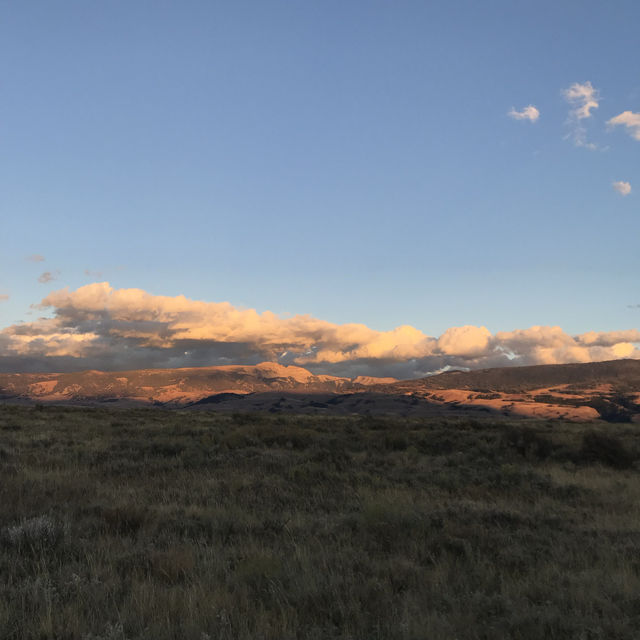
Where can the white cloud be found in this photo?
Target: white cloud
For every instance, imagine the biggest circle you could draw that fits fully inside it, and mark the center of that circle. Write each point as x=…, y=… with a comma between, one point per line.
x=466, y=342
x=623, y=188
x=628, y=119
x=608, y=338
x=36, y=257
x=97, y=326
x=3, y=296
x=583, y=98
x=528, y=113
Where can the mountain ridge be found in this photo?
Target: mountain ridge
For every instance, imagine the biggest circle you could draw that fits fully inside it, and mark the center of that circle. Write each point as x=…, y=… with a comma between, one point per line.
x=172, y=387
x=527, y=377
x=579, y=391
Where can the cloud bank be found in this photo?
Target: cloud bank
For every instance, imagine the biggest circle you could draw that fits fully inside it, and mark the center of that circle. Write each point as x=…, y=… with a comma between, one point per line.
x=528, y=113
x=97, y=326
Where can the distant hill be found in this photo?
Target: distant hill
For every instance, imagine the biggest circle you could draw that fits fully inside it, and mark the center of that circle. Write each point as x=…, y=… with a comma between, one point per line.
x=580, y=392
x=624, y=374
x=172, y=387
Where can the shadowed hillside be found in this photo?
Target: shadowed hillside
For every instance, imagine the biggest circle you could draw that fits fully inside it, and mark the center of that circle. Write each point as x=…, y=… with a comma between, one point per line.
x=623, y=374
x=584, y=391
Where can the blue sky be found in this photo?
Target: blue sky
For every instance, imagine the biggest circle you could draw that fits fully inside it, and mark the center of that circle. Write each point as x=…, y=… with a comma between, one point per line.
x=354, y=161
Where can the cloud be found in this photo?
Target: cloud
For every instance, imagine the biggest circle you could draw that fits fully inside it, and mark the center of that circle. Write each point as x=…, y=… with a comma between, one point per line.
x=528, y=113
x=609, y=338
x=465, y=342
x=628, y=119
x=97, y=326
x=3, y=296
x=583, y=98
x=48, y=276
x=623, y=188
x=36, y=257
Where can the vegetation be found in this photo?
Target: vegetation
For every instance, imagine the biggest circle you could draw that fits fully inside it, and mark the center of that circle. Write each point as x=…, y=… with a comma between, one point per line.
x=151, y=524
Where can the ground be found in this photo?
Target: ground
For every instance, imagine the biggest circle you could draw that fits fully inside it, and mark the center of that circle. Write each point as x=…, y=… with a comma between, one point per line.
x=157, y=524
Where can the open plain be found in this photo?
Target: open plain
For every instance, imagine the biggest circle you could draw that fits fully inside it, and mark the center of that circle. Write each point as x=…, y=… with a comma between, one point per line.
x=160, y=524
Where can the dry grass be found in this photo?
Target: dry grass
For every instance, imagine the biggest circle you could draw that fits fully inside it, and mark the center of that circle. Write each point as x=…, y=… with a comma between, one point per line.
x=148, y=524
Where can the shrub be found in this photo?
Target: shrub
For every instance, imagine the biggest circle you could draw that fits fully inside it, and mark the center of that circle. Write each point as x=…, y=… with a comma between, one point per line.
x=41, y=532
x=124, y=519
x=606, y=449
x=111, y=632
x=172, y=565
x=259, y=572
x=240, y=417
x=528, y=443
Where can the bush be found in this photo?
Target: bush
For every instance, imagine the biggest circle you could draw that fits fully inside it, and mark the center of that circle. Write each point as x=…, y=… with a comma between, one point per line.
x=124, y=520
x=41, y=532
x=528, y=443
x=606, y=449
x=172, y=565
x=111, y=632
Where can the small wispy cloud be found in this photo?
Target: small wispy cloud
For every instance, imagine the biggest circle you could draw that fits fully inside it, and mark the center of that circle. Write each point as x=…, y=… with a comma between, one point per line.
x=528, y=113
x=48, y=276
x=92, y=274
x=623, y=188
x=3, y=297
x=633, y=306
x=583, y=98
x=628, y=119
x=36, y=257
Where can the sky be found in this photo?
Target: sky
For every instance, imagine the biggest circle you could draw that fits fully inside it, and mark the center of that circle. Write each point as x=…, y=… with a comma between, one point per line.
x=366, y=187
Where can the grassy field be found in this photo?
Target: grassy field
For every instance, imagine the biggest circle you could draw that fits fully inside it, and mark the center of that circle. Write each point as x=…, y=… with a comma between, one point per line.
x=127, y=524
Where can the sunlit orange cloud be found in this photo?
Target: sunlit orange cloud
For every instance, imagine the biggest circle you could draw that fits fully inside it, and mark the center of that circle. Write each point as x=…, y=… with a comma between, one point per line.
x=98, y=326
